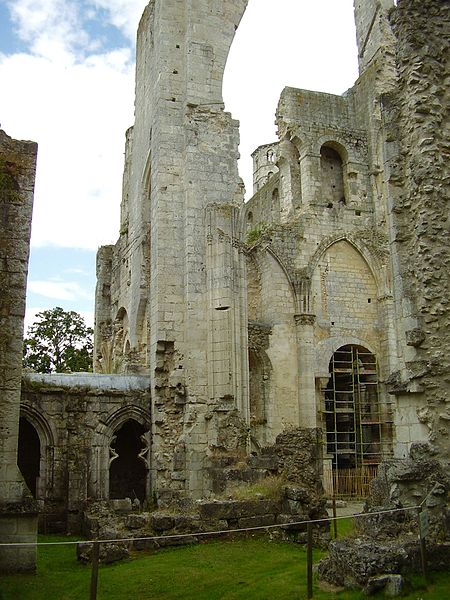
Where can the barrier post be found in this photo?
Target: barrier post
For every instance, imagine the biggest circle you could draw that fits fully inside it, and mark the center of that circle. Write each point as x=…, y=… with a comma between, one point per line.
x=94, y=573
x=334, y=517
x=309, y=559
x=423, y=532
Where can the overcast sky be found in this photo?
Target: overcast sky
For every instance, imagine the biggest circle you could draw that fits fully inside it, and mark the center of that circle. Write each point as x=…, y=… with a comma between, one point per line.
x=67, y=82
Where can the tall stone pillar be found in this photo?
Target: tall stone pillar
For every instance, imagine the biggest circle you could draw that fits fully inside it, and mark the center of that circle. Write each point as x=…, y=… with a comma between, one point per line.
x=306, y=357
x=18, y=515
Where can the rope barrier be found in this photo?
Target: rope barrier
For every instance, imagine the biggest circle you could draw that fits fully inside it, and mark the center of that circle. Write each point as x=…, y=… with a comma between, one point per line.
x=209, y=533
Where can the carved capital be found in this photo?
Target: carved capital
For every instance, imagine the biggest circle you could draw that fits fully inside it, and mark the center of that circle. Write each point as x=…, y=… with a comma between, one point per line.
x=305, y=319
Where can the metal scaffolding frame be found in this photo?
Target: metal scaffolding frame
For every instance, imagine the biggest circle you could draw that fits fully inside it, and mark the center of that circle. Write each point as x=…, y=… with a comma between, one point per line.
x=358, y=426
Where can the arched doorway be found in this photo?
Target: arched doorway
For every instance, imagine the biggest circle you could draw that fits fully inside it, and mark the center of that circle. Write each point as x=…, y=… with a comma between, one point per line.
x=29, y=454
x=128, y=470
x=353, y=419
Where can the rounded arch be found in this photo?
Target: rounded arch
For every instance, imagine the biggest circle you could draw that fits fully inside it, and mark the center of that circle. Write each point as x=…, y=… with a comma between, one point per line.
x=339, y=147
x=352, y=415
x=122, y=315
x=325, y=349
x=29, y=455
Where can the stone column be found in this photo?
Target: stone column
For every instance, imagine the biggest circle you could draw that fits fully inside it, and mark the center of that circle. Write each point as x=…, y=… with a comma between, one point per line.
x=306, y=382
x=18, y=515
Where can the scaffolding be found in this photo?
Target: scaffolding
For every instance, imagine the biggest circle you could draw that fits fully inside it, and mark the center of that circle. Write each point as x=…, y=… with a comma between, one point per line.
x=358, y=426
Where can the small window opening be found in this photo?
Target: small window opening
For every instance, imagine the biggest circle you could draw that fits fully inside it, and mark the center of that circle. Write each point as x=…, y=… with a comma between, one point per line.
x=332, y=174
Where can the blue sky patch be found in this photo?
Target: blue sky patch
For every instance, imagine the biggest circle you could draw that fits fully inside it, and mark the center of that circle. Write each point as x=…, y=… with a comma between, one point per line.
x=10, y=43
x=61, y=277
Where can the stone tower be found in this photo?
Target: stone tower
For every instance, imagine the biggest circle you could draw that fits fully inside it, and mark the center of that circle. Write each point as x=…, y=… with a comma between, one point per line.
x=169, y=301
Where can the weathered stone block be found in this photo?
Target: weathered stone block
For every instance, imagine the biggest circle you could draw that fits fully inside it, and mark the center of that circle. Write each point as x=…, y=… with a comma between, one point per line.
x=122, y=505
x=391, y=584
x=257, y=521
x=137, y=521
x=161, y=522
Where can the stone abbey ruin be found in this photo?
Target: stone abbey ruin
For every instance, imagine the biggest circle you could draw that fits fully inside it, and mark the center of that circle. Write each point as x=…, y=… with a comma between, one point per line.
x=303, y=333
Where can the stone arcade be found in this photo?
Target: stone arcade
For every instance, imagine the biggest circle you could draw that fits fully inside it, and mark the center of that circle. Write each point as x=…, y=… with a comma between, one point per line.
x=322, y=303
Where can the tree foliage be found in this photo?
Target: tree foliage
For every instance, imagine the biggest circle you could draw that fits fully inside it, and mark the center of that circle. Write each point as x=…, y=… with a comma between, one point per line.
x=58, y=342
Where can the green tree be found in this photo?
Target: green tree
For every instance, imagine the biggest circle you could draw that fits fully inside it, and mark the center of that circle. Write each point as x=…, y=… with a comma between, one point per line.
x=59, y=341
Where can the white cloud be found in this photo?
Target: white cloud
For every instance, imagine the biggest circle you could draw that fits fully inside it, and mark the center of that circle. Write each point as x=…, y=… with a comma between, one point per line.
x=77, y=105
x=53, y=28
x=30, y=316
x=58, y=290
x=124, y=14
x=78, y=114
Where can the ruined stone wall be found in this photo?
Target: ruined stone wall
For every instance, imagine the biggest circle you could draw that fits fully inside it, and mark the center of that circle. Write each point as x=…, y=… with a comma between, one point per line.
x=76, y=418
x=17, y=511
x=263, y=208
x=371, y=29
x=417, y=119
x=174, y=283
x=321, y=270
x=333, y=268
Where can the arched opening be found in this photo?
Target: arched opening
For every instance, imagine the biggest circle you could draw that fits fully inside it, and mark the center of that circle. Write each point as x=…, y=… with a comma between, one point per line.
x=332, y=173
x=353, y=419
x=128, y=471
x=29, y=455
x=256, y=390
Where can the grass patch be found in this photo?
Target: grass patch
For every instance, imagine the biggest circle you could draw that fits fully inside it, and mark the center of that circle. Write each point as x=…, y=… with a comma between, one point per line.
x=246, y=569
x=270, y=488
x=257, y=232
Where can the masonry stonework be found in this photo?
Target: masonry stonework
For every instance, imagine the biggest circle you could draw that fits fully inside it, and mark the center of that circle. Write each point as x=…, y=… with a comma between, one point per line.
x=319, y=306
x=18, y=513
x=311, y=258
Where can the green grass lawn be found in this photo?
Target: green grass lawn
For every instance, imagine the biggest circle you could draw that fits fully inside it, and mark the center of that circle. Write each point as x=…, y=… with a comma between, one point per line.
x=250, y=569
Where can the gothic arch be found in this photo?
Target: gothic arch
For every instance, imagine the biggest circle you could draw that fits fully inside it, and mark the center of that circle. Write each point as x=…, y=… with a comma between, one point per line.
x=102, y=452
x=260, y=255
x=129, y=462
x=371, y=260
x=118, y=418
